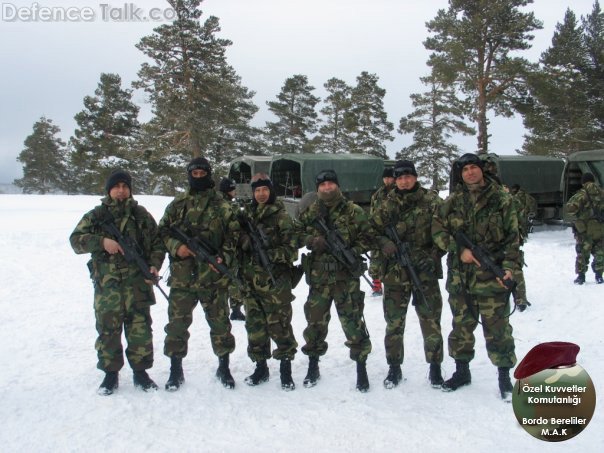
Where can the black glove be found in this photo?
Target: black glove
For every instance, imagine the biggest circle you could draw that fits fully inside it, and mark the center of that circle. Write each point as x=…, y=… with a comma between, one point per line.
x=521, y=306
x=317, y=244
x=245, y=243
x=389, y=248
x=426, y=265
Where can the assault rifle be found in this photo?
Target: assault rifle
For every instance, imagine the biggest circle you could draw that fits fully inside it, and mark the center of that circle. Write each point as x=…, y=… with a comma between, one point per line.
x=259, y=244
x=485, y=261
x=132, y=251
x=402, y=255
x=204, y=252
x=340, y=250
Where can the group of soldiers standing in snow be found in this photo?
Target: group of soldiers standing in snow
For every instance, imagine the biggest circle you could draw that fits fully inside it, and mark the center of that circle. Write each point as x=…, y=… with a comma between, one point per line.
x=402, y=213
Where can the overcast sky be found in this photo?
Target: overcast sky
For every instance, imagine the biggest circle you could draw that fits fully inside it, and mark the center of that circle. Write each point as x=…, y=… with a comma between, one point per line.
x=49, y=66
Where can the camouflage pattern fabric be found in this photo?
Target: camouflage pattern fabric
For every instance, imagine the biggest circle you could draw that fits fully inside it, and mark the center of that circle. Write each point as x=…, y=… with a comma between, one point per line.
x=268, y=308
x=380, y=195
x=526, y=205
x=180, y=314
x=121, y=296
x=395, y=303
x=489, y=219
x=589, y=233
x=493, y=312
x=200, y=214
x=411, y=213
x=317, y=308
x=329, y=281
x=235, y=296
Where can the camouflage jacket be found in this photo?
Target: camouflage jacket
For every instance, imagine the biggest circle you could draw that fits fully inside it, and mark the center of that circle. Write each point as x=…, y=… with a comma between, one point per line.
x=133, y=221
x=526, y=205
x=584, y=206
x=282, y=249
x=353, y=225
x=378, y=197
x=411, y=212
x=490, y=222
x=200, y=214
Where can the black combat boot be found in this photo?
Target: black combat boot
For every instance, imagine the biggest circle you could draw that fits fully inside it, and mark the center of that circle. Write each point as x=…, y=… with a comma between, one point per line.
x=460, y=378
x=580, y=278
x=177, y=376
x=223, y=373
x=236, y=314
x=436, y=377
x=362, y=378
x=599, y=278
x=395, y=375
x=259, y=375
x=505, y=384
x=287, y=383
x=110, y=383
x=143, y=381
x=313, y=374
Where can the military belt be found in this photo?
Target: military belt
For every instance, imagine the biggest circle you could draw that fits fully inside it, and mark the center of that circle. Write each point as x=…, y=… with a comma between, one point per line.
x=327, y=267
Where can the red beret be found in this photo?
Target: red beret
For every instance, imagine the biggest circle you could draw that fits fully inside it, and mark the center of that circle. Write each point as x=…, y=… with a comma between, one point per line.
x=547, y=355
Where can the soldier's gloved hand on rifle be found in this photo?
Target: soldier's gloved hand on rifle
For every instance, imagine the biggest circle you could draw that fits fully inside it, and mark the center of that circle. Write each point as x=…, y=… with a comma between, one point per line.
x=244, y=243
x=389, y=248
x=317, y=244
x=426, y=264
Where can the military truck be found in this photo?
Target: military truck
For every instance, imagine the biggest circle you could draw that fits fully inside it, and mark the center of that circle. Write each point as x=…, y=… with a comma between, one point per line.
x=577, y=164
x=243, y=168
x=293, y=175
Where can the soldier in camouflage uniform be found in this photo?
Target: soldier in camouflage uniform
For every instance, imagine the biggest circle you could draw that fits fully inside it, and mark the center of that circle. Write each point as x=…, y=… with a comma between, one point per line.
x=587, y=206
x=528, y=209
x=375, y=267
x=268, y=304
x=122, y=297
x=484, y=212
x=330, y=281
x=410, y=208
x=228, y=189
x=199, y=212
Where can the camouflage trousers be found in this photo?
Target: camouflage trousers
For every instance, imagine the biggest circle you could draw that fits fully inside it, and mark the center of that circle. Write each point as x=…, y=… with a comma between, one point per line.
x=269, y=317
x=115, y=306
x=493, y=312
x=584, y=247
x=518, y=276
x=348, y=299
x=235, y=298
x=396, y=301
x=180, y=316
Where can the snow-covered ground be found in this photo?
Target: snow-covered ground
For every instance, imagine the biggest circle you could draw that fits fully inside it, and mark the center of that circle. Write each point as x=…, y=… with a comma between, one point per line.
x=48, y=379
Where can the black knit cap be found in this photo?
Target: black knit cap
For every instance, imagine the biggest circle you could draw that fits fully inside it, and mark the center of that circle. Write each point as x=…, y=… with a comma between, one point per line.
x=470, y=159
x=587, y=177
x=404, y=167
x=326, y=175
x=116, y=177
x=266, y=182
x=199, y=163
x=227, y=185
x=388, y=172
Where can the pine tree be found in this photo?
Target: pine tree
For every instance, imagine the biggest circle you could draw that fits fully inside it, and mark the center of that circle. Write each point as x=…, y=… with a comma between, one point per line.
x=42, y=159
x=333, y=134
x=563, y=110
x=593, y=26
x=437, y=115
x=107, y=129
x=367, y=121
x=199, y=104
x=472, y=43
x=296, y=117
